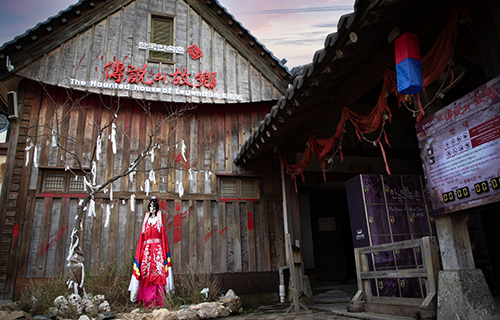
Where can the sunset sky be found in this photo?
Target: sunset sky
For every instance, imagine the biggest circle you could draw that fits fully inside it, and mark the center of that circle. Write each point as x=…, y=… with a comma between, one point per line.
x=291, y=29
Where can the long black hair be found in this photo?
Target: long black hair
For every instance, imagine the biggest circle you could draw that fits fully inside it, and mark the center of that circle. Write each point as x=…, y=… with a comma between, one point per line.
x=155, y=203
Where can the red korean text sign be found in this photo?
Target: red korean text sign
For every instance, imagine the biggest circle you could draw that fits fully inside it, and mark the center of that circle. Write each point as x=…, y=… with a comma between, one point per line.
x=460, y=151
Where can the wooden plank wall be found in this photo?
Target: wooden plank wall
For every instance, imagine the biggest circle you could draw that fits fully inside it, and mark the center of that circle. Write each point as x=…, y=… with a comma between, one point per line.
x=209, y=234
x=15, y=213
x=206, y=235
x=117, y=37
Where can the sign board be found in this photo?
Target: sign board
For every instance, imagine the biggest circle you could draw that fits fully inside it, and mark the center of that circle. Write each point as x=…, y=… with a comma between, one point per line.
x=327, y=224
x=460, y=151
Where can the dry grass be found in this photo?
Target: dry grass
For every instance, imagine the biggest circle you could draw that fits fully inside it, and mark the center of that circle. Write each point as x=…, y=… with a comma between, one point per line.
x=188, y=287
x=37, y=298
x=113, y=282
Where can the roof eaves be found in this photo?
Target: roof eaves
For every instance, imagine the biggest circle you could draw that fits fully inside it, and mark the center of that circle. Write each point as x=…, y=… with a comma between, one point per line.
x=41, y=38
x=303, y=77
x=42, y=24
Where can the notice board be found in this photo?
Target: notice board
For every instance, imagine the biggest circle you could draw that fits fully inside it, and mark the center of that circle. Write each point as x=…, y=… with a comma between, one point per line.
x=460, y=151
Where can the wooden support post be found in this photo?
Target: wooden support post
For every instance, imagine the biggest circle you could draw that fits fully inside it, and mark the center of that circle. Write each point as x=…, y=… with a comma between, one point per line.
x=293, y=280
x=431, y=264
x=356, y=304
x=453, y=235
x=462, y=289
x=296, y=304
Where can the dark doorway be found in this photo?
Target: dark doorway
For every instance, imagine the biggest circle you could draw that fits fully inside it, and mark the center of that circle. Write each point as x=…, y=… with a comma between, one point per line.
x=485, y=243
x=331, y=233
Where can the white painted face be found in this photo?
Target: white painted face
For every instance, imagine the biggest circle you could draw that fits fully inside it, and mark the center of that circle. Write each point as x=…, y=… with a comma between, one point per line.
x=152, y=208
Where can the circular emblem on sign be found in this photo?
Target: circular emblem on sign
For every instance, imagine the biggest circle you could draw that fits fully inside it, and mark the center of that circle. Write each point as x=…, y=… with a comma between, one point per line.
x=4, y=122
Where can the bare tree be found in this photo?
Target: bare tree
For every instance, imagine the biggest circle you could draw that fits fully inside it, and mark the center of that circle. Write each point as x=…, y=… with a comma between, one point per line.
x=84, y=165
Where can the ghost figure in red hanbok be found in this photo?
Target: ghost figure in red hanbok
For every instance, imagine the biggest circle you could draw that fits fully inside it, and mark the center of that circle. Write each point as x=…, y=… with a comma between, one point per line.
x=152, y=275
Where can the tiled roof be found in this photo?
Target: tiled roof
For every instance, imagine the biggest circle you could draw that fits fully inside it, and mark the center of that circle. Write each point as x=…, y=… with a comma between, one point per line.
x=351, y=63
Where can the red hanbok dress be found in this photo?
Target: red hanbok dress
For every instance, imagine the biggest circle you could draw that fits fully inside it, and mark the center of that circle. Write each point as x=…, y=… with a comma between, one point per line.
x=152, y=263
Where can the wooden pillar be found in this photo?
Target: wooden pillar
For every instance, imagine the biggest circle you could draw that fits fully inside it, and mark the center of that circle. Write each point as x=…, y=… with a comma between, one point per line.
x=454, y=242
x=7, y=213
x=462, y=289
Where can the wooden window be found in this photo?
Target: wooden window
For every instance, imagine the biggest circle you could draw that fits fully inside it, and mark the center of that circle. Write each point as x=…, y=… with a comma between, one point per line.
x=239, y=188
x=248, y=189
x=62, y=182
x=161, y=33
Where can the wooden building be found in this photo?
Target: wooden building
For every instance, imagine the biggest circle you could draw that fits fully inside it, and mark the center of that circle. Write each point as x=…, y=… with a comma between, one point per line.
x=338, y=118
x=134, y=63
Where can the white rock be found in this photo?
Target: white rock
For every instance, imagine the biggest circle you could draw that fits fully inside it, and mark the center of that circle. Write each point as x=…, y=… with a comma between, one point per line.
x=230, y=294
x=206, y=310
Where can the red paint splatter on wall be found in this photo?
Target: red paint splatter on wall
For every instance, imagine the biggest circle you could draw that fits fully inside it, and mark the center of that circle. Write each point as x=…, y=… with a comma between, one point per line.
x=222, y=231
x=51, y=241
x=15, y=231
x=80, y=62
x=170, y=224
x=186, y=214
x=63, y=195
x=163, y=205
x=184, y=163
x=97, y=57
x=250, y=221
x=177, y=228
x=178, y=221
x=202, y=221
x=209, y=235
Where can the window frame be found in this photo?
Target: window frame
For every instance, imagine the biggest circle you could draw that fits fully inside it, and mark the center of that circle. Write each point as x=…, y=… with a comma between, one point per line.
x=169, y=59
x=67, y=175
x=239, y=179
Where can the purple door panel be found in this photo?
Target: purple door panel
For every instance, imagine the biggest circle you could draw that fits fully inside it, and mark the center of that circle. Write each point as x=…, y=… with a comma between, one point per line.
x=413, y=189
x=393, y=189
x=398, y=218
x=372, y=188
x=419, y=221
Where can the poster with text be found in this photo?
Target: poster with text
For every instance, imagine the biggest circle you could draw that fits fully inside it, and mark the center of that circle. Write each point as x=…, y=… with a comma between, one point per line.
x=460, y=151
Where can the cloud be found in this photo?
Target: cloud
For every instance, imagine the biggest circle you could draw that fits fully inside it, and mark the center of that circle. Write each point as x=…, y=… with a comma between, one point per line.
x=292, y=41
x=299, y=10
x=18, y=16
x=329, y=25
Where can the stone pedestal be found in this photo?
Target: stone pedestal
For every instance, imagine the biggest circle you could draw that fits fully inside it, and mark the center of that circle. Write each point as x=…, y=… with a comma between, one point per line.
x=464, y=294
x=462, y=290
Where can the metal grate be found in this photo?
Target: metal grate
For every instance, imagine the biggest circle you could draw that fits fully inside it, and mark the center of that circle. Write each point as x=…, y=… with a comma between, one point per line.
x=54, y=182
x=248, y=189
x=76, y=184
x=229, y=189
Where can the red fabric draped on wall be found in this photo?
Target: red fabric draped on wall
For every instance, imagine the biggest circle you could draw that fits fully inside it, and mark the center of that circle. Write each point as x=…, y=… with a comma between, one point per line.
x=433, y=65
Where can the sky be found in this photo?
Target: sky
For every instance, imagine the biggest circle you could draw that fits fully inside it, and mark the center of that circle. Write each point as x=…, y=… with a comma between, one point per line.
x=290, y=29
